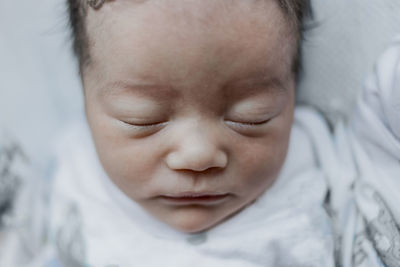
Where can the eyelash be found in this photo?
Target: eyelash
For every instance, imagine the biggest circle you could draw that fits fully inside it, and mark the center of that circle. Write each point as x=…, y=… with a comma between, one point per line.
x=147, y=127
x=248, y=124
x=144, y=126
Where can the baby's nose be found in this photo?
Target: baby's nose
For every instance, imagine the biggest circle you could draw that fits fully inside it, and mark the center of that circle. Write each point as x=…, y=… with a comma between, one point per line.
x=197, y=153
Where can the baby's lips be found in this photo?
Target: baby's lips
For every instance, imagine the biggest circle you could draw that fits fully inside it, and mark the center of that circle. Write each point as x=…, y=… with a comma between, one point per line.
x=195, y=194
x=195, y=198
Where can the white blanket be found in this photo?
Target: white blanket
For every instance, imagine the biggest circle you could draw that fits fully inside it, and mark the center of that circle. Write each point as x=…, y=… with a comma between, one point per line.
x=366, y=204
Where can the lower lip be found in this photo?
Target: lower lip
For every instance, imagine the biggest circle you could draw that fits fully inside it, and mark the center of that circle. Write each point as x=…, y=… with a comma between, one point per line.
x=197, y=200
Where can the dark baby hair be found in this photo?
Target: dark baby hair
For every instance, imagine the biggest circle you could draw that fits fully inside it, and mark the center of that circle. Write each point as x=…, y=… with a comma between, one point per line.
x=295, y=11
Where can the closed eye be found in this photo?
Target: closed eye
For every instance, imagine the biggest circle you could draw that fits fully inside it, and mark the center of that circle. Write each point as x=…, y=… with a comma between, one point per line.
x=145, y=125
x=247, y=123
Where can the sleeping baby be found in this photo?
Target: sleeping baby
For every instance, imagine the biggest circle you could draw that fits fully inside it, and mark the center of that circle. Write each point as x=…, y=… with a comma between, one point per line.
x=194, y=154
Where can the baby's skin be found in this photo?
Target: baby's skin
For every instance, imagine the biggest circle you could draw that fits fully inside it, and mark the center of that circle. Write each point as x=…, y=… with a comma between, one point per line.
x=190, y=103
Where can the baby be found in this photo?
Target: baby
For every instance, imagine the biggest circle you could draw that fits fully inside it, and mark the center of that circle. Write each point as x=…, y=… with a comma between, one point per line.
x=194, y=154
x=190, y=103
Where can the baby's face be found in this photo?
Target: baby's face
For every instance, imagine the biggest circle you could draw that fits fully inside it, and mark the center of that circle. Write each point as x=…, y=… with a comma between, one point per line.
x=190, y=103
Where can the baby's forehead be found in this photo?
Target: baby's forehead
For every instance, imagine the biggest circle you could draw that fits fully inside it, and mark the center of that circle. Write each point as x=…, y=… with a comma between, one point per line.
x=190, y=41
x=193, y=14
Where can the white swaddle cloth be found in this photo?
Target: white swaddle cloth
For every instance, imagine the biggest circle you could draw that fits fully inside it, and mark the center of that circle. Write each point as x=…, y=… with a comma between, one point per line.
x=94, y=223
x=365, y=187
x=376, y=126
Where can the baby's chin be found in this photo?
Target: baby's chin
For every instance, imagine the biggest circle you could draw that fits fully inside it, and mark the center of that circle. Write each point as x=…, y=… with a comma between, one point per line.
x=196, y=219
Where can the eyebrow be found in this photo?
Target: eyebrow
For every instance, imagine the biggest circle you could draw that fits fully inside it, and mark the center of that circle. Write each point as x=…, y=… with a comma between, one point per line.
x=141, y=89
x=254, y=85
x=238, y=88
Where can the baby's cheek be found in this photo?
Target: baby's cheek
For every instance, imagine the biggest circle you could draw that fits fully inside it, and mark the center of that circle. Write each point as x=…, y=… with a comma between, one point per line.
x=261, y=163
x=127, y=162
x=131, y=166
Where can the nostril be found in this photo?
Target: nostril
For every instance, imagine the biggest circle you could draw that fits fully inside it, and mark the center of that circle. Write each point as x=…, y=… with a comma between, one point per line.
x=197, y=162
